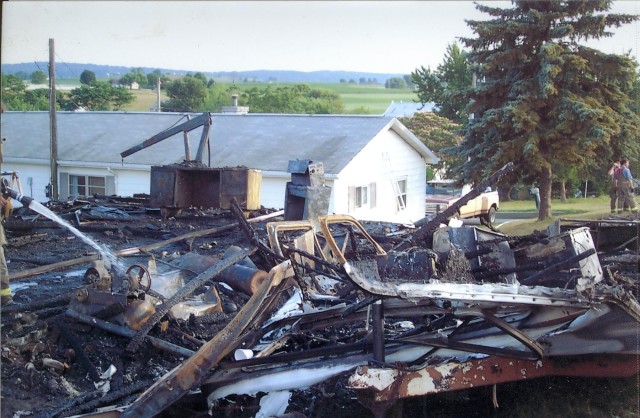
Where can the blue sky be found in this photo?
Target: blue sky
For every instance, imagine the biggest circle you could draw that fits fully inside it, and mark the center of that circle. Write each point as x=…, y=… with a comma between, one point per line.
x=379, y=36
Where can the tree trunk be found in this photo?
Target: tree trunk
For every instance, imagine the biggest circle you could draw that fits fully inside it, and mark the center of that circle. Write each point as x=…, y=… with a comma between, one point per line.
x=545, y=194
x=563, y=190
x=505, y=193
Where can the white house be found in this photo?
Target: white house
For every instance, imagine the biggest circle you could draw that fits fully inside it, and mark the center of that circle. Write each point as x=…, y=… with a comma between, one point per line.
x=374, y=164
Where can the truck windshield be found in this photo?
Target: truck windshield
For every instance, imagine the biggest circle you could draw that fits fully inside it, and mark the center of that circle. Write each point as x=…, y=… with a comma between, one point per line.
x=444, y=188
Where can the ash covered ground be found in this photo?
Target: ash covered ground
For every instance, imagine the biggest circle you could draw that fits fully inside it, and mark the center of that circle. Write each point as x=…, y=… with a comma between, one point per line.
x=50, y=363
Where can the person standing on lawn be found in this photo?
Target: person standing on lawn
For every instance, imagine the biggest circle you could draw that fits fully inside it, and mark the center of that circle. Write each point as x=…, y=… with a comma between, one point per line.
x=624, y=185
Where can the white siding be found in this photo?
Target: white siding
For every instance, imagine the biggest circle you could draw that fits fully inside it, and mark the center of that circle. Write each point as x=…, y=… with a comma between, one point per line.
x=369, y=166
x=366, y=168
x=34, y=179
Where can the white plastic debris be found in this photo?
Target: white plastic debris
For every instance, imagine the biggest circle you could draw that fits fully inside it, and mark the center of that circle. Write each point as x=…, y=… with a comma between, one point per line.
x=104, y=384
x=274, y=404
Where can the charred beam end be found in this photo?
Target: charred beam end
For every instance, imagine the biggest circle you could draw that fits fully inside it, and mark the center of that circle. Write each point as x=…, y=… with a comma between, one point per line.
x=205, y=118
x=126, y=332
x=427, y=229
x=555, y=267
x=252, y=236
x=184, y=292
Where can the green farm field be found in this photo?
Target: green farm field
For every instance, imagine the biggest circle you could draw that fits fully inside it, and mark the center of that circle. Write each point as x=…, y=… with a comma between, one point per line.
x=370, y=100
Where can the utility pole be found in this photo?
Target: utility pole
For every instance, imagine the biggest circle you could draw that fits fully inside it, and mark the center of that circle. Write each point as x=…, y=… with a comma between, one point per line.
x=158, y=97
x=53, y=124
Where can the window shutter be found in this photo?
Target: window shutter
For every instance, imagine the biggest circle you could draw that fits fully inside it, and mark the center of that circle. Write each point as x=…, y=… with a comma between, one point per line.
x=110, y=185
x=352, y=199
x=63, y=186
x=372, y=195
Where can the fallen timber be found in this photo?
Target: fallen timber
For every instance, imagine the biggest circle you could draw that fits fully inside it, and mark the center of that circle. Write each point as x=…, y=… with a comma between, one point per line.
x=426, y=319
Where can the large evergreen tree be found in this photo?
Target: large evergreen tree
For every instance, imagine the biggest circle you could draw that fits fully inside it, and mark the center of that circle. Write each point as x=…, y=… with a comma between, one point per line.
x=544, y=100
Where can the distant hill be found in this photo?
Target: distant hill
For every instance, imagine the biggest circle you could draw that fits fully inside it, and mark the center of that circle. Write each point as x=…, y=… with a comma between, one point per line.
x=67, y=70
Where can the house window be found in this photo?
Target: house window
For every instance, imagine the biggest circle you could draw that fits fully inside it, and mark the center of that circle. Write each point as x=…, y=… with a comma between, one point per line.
x=86, y=185
x=401, y=195
x=362, y=196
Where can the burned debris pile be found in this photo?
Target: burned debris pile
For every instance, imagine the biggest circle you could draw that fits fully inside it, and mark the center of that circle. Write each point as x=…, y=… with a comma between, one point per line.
x=238, y=313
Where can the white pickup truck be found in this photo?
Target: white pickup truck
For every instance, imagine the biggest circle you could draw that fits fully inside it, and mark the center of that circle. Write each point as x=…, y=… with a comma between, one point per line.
x=440, y=194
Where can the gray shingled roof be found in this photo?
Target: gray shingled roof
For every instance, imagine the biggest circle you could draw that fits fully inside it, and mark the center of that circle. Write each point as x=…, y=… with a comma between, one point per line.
x=265, y=142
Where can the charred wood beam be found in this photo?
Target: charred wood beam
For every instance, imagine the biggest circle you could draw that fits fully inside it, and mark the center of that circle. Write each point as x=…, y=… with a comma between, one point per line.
x=359, y=305
x=473, y=254
x=31, y=239
x=483, y=272
x=40, y=304
x=110, y=398
x=555, y=267
x=189, y=125
x=426, y=228
x=185, y=291
x=80, y=353
x=178, y=382
x=43, y=269
x=64, y=408
x=126, y=332
x=196, y=234
x=377, y=319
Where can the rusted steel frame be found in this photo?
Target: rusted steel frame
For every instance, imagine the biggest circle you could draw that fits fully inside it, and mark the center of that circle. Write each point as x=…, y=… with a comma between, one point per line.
x=555, y=267
x=452, y=376
x=426, y=228
x=175, y=384
x=183, y=127
x=319, y=260
x=470, y=348
x=129, y=333
x=184, y=292
x=325, y=223
x=528, y=342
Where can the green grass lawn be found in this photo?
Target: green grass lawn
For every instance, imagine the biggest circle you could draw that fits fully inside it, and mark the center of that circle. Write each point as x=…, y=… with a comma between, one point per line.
x=143, y=100
x=589, y=208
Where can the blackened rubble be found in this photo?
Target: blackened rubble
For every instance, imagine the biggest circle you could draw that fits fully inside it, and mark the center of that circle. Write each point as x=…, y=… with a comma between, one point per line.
x=316, y=327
